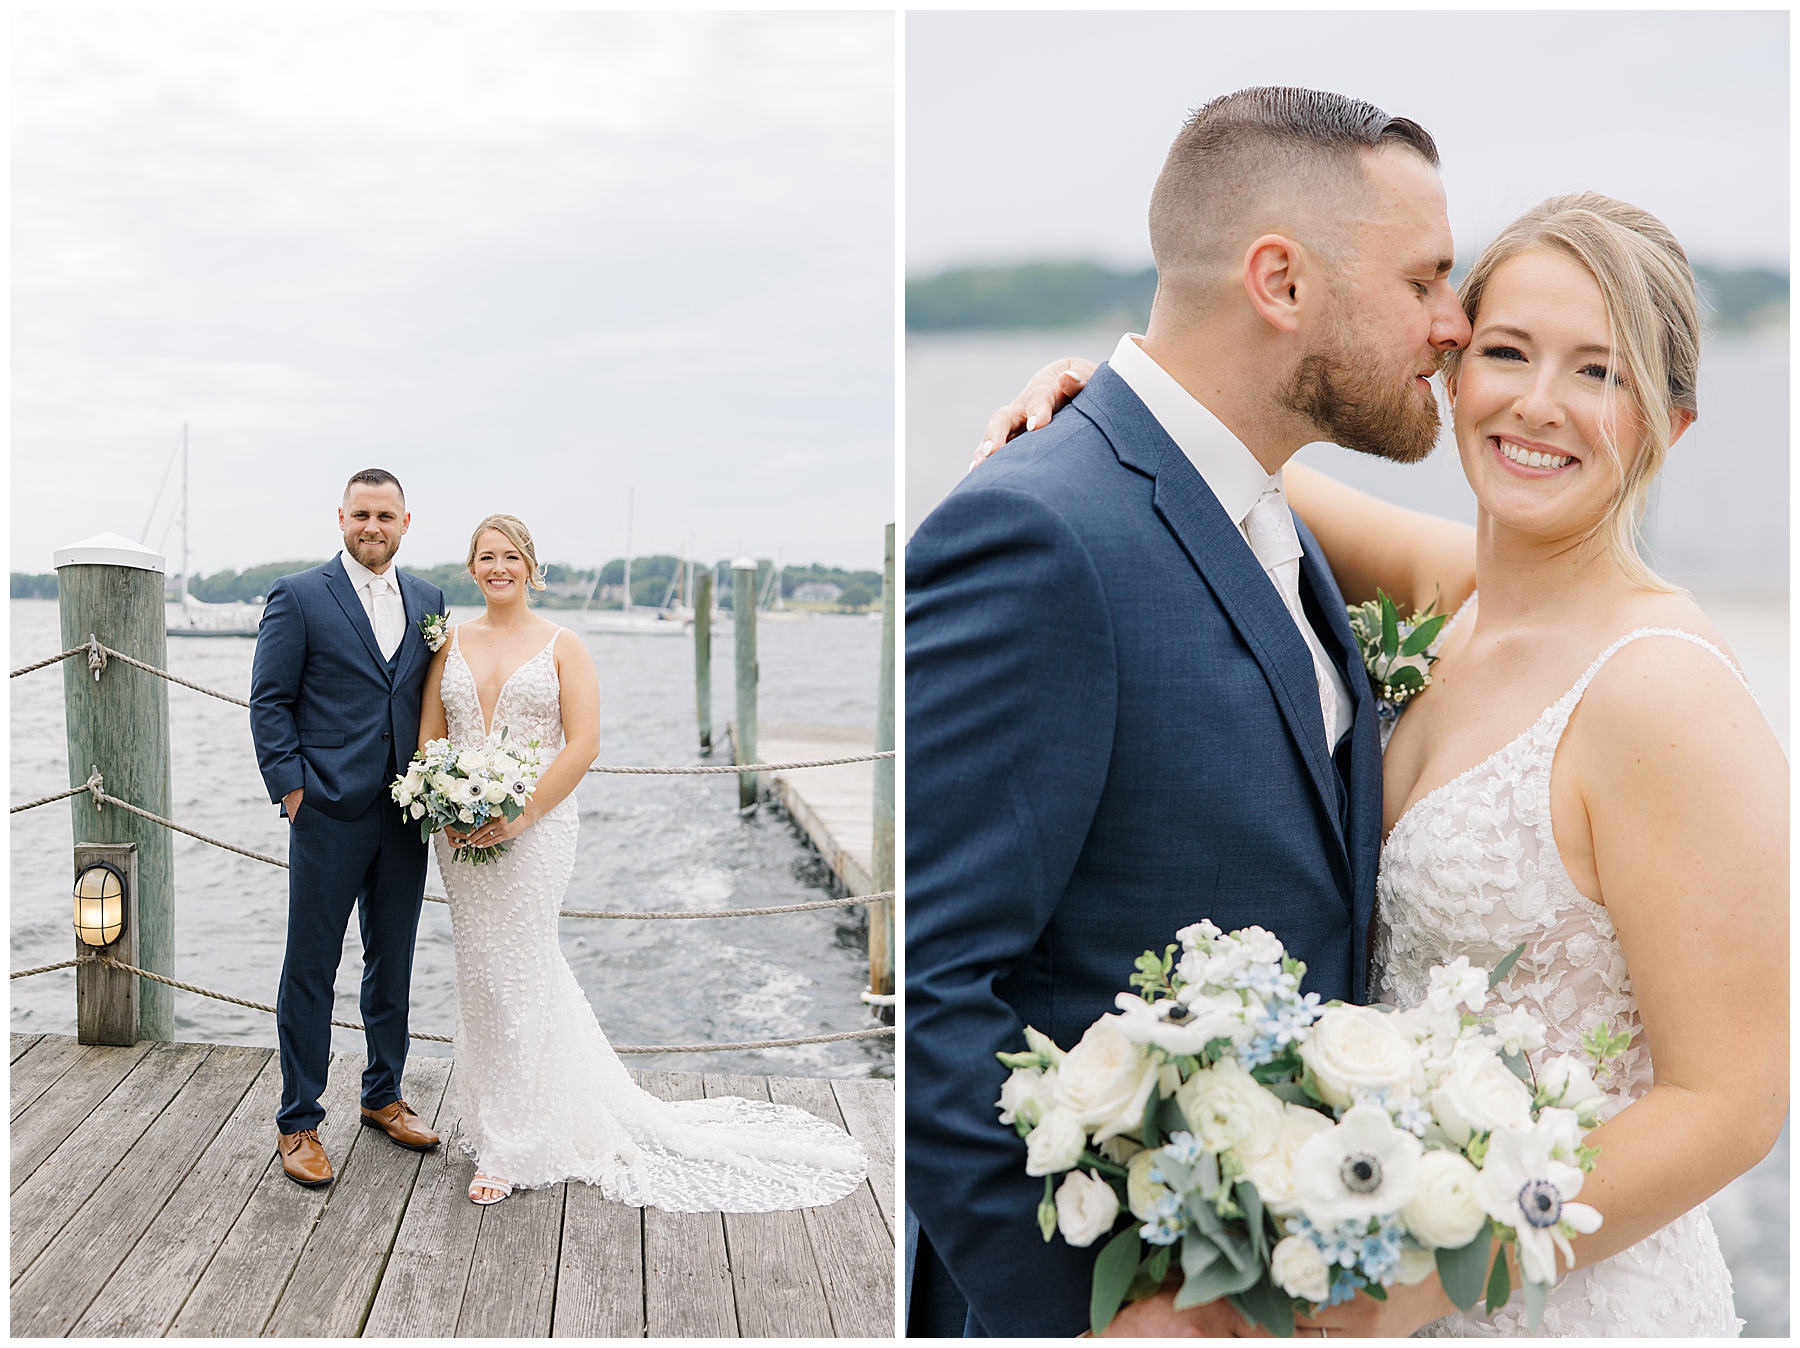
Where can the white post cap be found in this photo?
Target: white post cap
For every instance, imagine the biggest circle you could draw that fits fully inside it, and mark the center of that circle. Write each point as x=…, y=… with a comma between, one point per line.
x=110, y=550
x=744, y=564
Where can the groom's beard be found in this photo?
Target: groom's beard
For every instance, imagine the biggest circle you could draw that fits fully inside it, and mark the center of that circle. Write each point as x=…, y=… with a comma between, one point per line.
x=372, y=555
x=1362, y=408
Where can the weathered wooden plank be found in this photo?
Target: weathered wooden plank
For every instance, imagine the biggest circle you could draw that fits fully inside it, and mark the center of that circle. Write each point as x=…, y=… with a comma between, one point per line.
x=868, y=1110
x=248, y=1274
x=335, y=1278
x=41, y=1127
x=22, y=1044
x=41, y=1069
x=71, y=1270
x=512, y=1274
x=833, y=807
x=773, y=1273
x=687, y=1274
x=422, y=1288
x=59, y=1185
x=144, y=1294
x=600, y=1278
x=853, y=1246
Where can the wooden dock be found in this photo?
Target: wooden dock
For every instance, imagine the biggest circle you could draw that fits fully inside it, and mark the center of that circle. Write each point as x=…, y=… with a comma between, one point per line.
x=146, y=1200
x=834, y=807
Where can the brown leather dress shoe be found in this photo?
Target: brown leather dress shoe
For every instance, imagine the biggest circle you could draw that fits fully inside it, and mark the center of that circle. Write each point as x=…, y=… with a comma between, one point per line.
x=303, y=1157
x=399, y=1122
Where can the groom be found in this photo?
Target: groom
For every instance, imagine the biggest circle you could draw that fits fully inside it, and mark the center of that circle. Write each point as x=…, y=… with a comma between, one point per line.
x=1133, y=700
x=334, y=711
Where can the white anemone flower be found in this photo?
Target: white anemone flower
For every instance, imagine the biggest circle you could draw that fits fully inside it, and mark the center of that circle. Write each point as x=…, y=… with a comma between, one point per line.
x=1523, y=1186
x=1365, y=1167
x=1179, y=1027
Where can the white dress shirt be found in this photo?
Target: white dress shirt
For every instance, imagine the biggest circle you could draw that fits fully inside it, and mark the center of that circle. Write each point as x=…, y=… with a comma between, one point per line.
x=1234, y=476
x=380, y=595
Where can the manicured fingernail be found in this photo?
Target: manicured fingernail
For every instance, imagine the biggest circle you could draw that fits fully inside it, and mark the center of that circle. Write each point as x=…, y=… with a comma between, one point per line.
x=1031, y=422
x=987, y=448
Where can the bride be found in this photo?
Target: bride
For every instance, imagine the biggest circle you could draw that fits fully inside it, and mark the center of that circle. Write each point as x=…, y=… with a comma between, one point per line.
x=546, y=1098
x=1588, y=772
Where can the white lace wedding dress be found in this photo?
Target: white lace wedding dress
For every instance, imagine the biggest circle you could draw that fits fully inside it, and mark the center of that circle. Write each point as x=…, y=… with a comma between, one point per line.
x=544, y=1096
x=1472, y=869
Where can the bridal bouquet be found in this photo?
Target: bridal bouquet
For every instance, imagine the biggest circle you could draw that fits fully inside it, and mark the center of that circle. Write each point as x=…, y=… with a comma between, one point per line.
x=446, y=786
x=1288, y=1154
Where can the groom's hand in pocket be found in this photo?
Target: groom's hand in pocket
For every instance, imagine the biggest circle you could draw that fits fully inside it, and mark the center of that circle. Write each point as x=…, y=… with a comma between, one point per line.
x=291, y=801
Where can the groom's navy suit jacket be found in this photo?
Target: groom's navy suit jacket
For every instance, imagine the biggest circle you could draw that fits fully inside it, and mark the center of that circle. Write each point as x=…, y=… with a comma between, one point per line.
x=1112, y=731
x=326, y=710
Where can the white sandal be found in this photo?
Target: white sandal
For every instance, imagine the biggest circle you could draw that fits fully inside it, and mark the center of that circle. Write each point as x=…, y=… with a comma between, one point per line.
x=482, y=1181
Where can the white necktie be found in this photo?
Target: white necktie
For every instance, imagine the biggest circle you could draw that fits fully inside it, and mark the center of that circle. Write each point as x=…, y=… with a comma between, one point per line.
x=381, y=615
x=1270, y=529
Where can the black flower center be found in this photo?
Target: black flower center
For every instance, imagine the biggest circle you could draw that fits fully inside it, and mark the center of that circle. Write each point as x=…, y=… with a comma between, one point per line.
x=1361, y=1174
x=1177, y=1011
x=1541, y=1202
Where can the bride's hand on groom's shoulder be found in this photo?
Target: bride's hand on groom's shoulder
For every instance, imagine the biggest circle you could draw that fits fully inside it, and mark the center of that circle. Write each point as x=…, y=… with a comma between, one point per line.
x=1044, y=394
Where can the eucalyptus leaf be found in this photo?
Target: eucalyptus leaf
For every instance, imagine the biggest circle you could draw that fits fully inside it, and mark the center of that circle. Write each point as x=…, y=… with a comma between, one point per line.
x=1499, y=1286
x=1537, y=1294
x=1251, y=1202
x=1423, y=635
x=1504, y=967
x=1520, y=1068
x=1217, y=1279
x=1206, y=1217
x=1390, y=628
x=1170, y=1119
x=1271, y=1307
x=1461, y=1270
x=1197, y=1251
x=1156, y=1267
x=1113, y=1272
x=1147, y=1132
x=1174, y=1173
x=1291, y=1091
x=1237, y=1248
x=1207, y=1171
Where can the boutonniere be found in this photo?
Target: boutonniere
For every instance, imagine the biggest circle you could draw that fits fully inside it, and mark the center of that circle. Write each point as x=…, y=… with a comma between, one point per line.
x=435, y=628
x=1396, y=651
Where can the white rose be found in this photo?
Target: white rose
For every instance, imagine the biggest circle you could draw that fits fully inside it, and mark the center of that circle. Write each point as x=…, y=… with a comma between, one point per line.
x=465, y=816
x=1354, y=1048
x=1085, y=1208
x=1297, y=1268
x=1479, y=1093
x=1055, y=1144
x=1025, y=1096
x=1566, y=1082
x=1416, y=1265
x=494, y=792
x=471, y=761
x=1141, y=1192
x=1273, y=1172
x=1445, y=1214
x=1105, y=1080
x=1230, y=1110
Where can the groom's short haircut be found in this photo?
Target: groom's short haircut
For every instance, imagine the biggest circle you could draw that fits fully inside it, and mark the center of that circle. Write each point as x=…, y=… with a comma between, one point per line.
x=375, y=477
x=1259, y=161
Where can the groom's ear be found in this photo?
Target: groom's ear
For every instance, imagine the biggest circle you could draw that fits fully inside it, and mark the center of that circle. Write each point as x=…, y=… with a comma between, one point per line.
x=1278, y=280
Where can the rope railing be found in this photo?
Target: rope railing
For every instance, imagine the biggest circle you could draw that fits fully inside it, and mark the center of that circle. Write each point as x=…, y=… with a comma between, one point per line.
x=737, y=1047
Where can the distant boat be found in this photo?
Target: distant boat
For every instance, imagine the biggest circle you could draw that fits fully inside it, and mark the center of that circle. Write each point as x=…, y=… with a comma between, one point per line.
x=672, y=619
x=188, y=616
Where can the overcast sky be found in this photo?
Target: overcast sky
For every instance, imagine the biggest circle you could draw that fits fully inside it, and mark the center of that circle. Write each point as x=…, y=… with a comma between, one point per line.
x=1034, y=136
x=525, y=261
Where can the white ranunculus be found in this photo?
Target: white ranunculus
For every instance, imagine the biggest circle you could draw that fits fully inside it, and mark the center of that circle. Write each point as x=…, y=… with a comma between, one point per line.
x=1523, y=1186
x=1365, y=1167
x=1354, y=1048
x=1026, y=1096
x=1479, y=1093
x=465, y=816
x=1297, y=1268
x=1140, y=1190
x=1055, y=1144
x=443, y=783
x=1273, y=1172
x=418, y=810
x=471, y=761
x=1445, y=1214
x=1416, y=1265
x=1230, y=1111
x=1105, y=1080
x=1085, y=1208
x=1518, y=1031
x=1566, y=1082
x=494, y=792
x=1179, y=1027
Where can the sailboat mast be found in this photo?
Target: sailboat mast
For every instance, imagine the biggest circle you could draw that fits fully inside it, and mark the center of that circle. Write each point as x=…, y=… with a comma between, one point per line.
x=184, y=514
x=629, y=493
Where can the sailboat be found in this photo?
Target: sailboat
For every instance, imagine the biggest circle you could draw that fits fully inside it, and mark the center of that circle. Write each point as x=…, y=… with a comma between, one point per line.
x=188, y=616
x=670, y=619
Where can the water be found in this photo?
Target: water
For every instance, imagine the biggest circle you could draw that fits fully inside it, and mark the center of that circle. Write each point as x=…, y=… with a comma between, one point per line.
x=646, y=843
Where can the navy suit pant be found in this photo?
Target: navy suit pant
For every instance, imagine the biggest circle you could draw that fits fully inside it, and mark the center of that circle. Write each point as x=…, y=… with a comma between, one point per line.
x=376, y=864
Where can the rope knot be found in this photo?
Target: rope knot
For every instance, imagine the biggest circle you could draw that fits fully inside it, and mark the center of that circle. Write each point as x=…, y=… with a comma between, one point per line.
x=95, y=784
x=96, y=654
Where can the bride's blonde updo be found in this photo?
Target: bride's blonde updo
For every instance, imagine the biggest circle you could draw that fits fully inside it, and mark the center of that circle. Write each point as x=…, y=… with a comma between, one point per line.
x=516, y=534
x=1654, y=310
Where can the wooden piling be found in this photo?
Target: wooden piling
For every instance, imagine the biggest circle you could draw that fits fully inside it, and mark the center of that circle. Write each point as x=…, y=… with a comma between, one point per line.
x=881, y=915
x=703, y=659
x=743, y=616
x=107, y=1001
x=118, y=721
